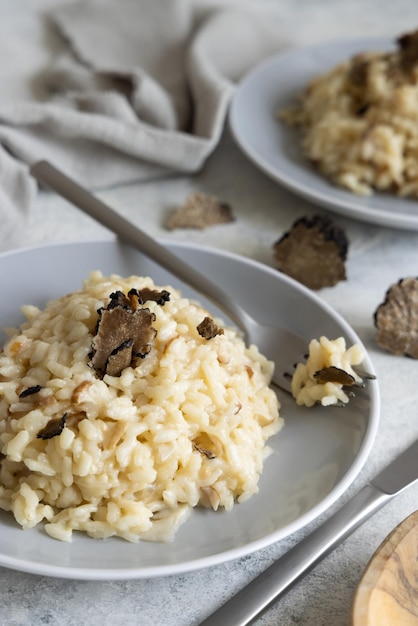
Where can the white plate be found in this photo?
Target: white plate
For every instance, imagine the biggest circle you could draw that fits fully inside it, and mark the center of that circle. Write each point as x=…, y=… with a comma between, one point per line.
x=275, y=148
x=316, y=456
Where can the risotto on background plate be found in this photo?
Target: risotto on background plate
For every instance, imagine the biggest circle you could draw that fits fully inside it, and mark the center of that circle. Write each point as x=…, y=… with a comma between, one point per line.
x=278, y=148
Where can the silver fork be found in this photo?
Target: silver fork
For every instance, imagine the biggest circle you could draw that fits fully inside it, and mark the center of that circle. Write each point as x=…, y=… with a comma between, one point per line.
x=278, y=344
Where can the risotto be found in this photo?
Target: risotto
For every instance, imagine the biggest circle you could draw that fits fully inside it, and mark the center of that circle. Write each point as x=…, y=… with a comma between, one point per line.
x=360, y=121
x=86, y=447
x=328, y=372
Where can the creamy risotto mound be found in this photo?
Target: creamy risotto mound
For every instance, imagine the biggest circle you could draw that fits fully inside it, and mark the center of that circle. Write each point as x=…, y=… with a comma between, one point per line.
x=109, y=434
x=360, y=121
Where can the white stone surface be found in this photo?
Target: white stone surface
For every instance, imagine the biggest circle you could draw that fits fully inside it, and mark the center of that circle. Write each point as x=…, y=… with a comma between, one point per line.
x=377, y=258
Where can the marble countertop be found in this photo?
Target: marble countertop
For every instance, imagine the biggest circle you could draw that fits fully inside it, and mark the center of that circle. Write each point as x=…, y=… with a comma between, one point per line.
x=377, y=257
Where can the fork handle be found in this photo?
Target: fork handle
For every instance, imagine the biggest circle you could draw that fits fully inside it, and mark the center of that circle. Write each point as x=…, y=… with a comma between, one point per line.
x=248, y=603
x=53, y=178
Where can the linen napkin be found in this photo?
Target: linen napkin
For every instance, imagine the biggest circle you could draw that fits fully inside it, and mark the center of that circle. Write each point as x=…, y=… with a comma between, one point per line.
x=140, y=90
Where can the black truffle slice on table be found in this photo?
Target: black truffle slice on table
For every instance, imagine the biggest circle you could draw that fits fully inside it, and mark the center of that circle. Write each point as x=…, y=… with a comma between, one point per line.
x=200, y=211
x=313, y=252
x=396, y=319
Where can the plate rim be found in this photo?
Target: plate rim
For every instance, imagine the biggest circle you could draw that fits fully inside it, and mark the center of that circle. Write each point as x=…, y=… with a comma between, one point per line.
x=145, y=571
x=329, y=196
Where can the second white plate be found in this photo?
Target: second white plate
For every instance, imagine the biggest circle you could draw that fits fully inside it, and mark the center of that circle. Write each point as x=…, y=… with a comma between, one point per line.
x=275, y=148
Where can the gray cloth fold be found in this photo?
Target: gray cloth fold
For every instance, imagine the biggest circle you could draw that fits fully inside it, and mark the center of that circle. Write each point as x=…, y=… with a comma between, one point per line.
x=141, y=89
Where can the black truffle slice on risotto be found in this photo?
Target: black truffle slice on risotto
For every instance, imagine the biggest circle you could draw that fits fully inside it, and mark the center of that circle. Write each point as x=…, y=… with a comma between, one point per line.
x=124, y=333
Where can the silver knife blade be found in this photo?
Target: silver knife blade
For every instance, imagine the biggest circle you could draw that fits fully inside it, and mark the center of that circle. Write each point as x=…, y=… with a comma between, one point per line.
x=260, y=593
x=400, y=473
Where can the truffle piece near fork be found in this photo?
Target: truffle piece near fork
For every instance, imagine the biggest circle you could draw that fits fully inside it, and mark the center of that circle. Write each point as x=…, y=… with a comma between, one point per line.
x=313, y=252
x=396, y=319
x=208, y=329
